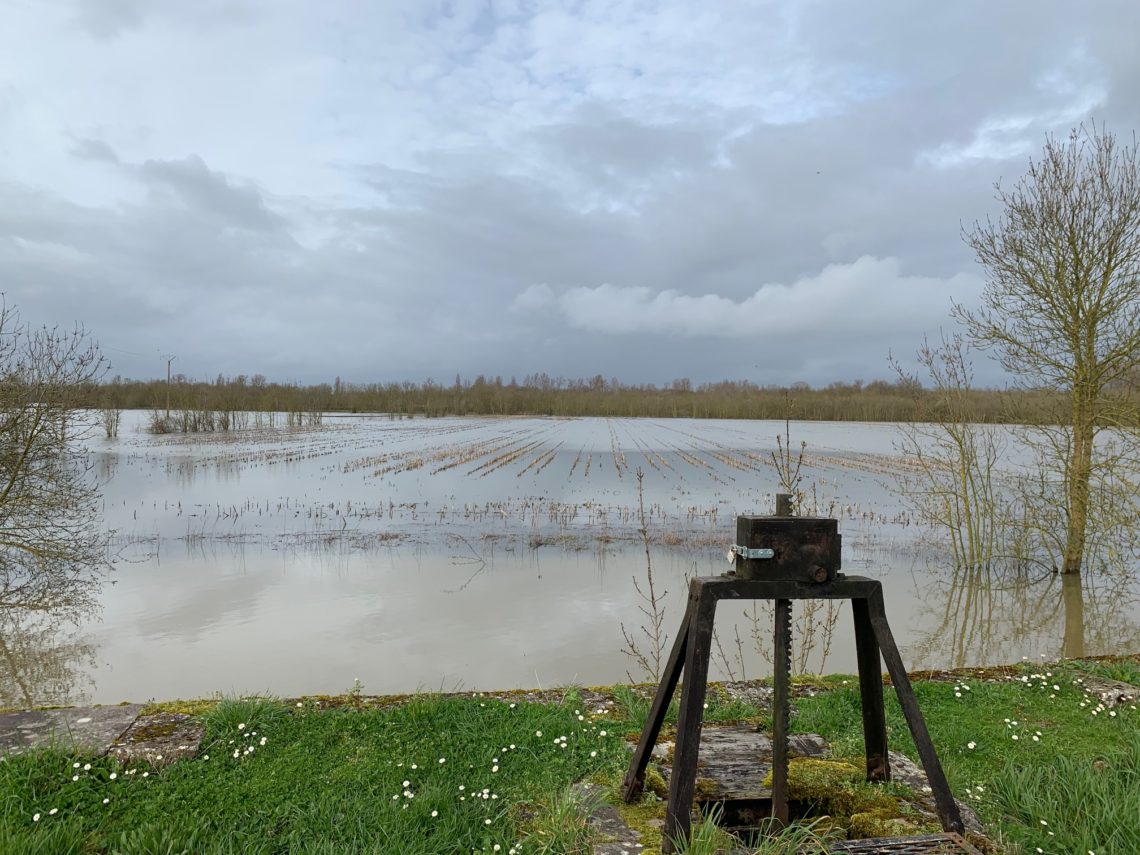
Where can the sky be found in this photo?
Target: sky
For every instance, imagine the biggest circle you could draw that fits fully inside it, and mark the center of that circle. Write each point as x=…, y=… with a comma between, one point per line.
x=764, y=191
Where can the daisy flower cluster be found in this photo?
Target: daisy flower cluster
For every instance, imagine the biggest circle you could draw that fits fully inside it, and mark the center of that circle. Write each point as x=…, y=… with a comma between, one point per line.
x=106, y=776
x=244, y=744
x=466, y=790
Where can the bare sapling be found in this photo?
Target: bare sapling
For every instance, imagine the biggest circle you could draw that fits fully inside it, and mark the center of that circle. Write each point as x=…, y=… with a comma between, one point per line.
x=788, y=465
x=652, y=632
x=815, y=627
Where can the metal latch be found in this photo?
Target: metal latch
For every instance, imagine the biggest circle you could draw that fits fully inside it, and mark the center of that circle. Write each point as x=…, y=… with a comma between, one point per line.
x=747, y=552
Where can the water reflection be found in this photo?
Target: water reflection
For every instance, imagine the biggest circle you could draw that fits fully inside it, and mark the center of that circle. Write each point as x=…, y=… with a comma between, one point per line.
x=1072, y=598
x=45, y=656
x=43, y=661
x=984, y=615
x=208, y=616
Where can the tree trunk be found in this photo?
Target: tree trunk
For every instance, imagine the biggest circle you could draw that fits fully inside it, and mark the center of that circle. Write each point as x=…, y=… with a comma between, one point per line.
x=1077, y=486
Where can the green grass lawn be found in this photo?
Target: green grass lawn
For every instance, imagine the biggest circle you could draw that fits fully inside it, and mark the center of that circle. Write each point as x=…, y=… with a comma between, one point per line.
x=1046, y=769
x=429, y=776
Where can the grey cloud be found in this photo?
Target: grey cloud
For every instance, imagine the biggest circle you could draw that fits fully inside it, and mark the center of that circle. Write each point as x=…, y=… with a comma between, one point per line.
x=107, y=19
x=240, y=204
x=536, y=298
x=146, y=278
x=96, y=150
x=600, y=192
x=619, y=158
x=110, y=19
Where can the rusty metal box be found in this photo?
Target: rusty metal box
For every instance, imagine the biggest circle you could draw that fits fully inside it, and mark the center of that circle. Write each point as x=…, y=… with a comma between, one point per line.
x=804, y=549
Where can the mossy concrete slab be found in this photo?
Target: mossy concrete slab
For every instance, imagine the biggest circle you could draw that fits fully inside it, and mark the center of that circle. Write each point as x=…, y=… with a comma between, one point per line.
x=159, y=739
x=90, y=730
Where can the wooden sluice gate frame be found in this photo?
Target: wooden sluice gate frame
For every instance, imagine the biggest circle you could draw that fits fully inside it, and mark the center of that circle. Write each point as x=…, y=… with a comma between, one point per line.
x=782, y=558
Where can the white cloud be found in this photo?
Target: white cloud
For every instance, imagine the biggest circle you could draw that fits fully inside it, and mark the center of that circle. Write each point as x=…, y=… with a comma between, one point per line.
x=868, y=292
x=1063, y=96
x=536, y=298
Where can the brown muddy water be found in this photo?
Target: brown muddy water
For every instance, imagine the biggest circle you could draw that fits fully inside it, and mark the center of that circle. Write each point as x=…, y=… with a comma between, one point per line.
x=494, y=553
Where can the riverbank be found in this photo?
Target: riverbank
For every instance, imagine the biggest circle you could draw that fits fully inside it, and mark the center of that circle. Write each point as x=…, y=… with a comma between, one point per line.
x=1024, y=746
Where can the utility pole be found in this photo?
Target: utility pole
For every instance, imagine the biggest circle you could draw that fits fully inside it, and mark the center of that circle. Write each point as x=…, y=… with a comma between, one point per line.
x=169, y=359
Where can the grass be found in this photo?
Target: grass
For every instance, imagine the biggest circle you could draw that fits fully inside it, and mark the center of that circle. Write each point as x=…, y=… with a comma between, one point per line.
x=1093, y=802
x=1122, y=670
x=1021, y=751
x=430, y=776
x=1045, y=766
x=558, y=825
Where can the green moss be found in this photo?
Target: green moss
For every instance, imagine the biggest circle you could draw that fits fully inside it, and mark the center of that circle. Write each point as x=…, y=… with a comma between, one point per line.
x=201, y=706
x=655, y=783
x=155, y=730
x=831, y=826
x=861, y=797
x=810, y=779
x=883, y=822
x=646, y=817
x=705, y=789
x=836, y=790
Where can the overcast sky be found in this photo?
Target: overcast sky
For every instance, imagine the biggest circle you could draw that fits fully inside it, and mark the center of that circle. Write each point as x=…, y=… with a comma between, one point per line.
x=647, y=190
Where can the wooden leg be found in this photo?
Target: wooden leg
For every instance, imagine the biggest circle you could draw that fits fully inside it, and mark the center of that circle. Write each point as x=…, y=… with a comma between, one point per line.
x=684, y=778
x=944, y=802
x=635, y=778
x=871, y=694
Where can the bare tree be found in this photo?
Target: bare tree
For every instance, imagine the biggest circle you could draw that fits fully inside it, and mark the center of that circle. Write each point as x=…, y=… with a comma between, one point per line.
x=1061, y=308
x=110, y=417
x=950, y=479
x=52, y=547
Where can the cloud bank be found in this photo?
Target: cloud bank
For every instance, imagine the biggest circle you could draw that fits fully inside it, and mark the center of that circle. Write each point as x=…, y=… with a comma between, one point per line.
x=868, y=292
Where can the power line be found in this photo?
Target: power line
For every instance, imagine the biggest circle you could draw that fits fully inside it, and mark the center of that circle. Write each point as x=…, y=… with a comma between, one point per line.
x=120, y=350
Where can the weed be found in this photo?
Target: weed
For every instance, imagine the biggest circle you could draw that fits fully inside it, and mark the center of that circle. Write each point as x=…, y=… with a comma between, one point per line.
x=706, y=838
x=559, y=825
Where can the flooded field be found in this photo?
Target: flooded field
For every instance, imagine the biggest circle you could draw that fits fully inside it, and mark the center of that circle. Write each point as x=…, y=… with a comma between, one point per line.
x=492, y=553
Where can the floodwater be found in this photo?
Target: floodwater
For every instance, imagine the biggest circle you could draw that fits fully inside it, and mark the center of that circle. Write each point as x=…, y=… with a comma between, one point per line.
x=494, y=553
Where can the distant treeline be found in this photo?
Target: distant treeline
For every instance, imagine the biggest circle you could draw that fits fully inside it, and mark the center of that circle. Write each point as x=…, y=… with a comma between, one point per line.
x=903, y=400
